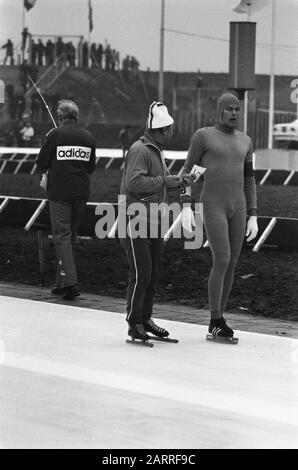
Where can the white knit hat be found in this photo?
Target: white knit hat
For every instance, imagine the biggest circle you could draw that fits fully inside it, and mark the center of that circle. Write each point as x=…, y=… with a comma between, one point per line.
x=158, y=116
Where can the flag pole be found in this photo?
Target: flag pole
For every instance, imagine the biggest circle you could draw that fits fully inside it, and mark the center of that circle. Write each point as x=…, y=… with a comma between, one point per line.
x=161, y=53
x=88, y=1
x=271, y=87
x=245, y=100
x=23, y=21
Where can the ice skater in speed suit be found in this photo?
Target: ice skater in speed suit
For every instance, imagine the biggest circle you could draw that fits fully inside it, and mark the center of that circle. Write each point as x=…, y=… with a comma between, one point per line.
x=66, y=159
x=146, y=180
x=228, y=196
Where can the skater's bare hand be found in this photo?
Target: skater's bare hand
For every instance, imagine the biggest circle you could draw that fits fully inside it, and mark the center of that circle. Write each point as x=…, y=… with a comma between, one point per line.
x=252, y=228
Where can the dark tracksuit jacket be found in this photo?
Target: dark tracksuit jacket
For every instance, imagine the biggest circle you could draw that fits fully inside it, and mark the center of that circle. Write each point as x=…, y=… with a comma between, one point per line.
x=68, y=154
x=143, y=182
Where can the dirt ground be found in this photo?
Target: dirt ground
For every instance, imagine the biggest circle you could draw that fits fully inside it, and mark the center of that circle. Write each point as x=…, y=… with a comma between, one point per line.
x=265, y=282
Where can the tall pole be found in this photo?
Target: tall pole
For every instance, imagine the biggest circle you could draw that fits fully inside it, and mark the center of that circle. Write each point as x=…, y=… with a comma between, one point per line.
x=245, y=100
x=161, y=53
x=23, y=45
x=271, y=89
x=89, y=33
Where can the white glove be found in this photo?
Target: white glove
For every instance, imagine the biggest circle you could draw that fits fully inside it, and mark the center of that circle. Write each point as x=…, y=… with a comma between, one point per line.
x=251, y=228
x=44, y=181
x=188, y=220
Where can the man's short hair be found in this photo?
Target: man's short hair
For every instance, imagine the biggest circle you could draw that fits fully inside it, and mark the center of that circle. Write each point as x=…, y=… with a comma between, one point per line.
x=68, y=109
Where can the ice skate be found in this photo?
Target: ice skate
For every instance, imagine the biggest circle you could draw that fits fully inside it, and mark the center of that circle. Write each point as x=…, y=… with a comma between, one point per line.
x=71, y=292
x=219, y=331
x=158, y=333
x=138, y=336
x=56, y=290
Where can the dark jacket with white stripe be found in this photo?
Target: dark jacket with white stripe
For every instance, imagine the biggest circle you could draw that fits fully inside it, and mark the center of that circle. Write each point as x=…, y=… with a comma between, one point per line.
x=144, y=172
x=68, y=155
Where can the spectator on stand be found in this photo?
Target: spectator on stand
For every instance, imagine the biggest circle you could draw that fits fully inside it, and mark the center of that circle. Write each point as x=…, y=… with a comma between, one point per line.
x=69, y=50
x=134, y=65
x=9, y=52
x=93, y=55
x=108, y=57
x=117, y=60
x=85, y=54
x=27, y=135
x=125, y=138
x=60, y=48
x=113, y=60
x=125, y=68
x=50, y=52
x=72, y=52
x=40, y=52
x=99, y=55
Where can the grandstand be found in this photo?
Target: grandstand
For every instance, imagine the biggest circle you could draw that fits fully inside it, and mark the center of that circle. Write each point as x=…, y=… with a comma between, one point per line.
x=107, y=101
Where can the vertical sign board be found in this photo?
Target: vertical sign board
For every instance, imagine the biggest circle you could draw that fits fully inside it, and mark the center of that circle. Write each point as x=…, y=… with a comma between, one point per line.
x=242, y=56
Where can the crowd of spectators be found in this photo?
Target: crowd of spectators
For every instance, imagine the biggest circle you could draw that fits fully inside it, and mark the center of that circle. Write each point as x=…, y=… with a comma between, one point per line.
x=36, y=51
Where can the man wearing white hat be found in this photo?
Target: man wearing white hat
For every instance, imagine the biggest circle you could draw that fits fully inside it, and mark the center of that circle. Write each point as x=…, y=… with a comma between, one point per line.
x=146, y=180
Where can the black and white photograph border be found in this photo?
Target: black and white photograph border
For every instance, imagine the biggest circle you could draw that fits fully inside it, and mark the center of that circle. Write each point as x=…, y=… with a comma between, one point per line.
x=72, y=377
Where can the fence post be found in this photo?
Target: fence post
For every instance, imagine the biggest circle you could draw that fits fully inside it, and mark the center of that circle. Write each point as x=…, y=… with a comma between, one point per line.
x=41, y=257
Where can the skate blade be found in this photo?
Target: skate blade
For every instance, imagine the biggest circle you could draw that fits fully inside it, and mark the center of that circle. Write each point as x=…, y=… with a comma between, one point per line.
x=165, y=340
x=140, y=342
x=221, y=339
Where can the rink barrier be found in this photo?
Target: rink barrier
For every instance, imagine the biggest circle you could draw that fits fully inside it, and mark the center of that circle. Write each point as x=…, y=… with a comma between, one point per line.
x=270, y=167
x=33, y=214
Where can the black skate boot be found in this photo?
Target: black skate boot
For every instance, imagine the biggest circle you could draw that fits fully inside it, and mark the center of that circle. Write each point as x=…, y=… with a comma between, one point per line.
x=227, y=327
x=71, y=292
x=159, y=334
x=220, y=331
x=154, y=329
x=138, y=335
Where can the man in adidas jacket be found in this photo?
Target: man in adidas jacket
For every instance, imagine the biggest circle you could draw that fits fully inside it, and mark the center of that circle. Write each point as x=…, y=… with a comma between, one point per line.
x=66, y=159
x=145, y=181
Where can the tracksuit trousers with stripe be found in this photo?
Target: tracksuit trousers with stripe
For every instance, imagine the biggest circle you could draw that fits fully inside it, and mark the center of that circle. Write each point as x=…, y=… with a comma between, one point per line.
x=66, y=217
x=144, y=259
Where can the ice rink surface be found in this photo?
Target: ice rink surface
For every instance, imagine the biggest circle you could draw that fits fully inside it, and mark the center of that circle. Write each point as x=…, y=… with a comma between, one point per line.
x=69, y=380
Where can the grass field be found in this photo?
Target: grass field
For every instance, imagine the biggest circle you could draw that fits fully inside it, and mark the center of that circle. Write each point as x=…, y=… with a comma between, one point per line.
x=265, y=282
